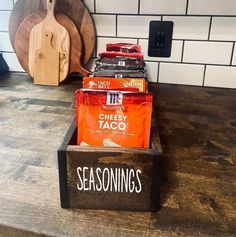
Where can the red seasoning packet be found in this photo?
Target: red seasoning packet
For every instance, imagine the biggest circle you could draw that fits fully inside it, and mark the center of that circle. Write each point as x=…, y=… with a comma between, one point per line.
x=124, y=47
x=113, y=118
x=114, y=54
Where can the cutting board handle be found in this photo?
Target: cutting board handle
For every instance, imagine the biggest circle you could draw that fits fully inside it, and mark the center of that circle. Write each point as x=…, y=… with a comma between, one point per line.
x=51, y=7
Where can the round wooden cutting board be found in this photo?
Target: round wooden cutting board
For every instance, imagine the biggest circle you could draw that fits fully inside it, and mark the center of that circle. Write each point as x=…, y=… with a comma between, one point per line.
x=23, y=35
x=74, y=9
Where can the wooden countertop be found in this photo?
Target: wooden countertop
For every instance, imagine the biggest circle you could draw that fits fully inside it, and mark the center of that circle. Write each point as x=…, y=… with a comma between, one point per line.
x=198, y=133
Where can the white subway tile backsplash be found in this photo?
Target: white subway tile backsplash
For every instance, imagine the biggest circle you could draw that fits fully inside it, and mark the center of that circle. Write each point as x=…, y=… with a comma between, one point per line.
x=4, y=20
x=212, y=7
x=101, y=42
x=90, y=5
x=207, y=52
x=5, y=44
x=114, y=6
x=12, y=62
x=135, y=26
x=152, y=71
x=6, y=5
x=176, y=51
x=220, y=76
x=185, y=74
x=234, y=56
x=189, y=27
x=223, y=28
x=163, y=7
x=105, y=25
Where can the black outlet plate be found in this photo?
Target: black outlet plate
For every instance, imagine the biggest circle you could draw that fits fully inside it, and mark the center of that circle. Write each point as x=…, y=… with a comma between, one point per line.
x=160, y=38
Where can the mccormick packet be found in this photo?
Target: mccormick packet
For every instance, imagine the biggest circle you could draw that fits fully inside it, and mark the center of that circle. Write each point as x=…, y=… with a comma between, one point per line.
x=112, y=83
x=113, y=118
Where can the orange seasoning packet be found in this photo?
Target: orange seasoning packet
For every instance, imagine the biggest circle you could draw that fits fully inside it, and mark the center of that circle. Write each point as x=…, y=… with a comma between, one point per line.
x=107, y=83
x=113, y=118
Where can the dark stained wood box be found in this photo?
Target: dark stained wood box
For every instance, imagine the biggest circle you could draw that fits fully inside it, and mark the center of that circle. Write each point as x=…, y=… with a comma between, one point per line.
x=109, y=178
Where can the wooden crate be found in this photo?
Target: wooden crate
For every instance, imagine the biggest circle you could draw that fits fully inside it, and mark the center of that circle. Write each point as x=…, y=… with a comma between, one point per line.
x=109, y=178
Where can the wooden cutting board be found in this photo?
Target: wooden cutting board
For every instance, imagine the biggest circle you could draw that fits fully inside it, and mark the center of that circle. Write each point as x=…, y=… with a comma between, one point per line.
x=47, y=58
x=39, y=42
x=74, y=9
x=23, y=34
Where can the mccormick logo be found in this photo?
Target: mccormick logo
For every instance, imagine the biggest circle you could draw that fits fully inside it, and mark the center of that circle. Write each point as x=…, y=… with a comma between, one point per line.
x=114, y=98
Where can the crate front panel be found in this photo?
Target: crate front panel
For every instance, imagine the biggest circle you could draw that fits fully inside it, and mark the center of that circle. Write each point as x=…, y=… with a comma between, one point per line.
x=111, y=180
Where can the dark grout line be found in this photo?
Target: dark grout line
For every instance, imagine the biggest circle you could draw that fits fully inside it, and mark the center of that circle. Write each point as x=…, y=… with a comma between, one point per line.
x=204, y=76
x=232, y=55
x=186, y=13
x=209, y=33
x=163, y=14
x=158, y=72
x=3, y=51
x=139, y=6
x=182, y=56
x=94, y=2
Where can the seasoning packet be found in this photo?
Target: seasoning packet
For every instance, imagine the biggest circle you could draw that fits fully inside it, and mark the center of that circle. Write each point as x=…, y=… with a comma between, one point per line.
x=124, y=47
x=113, y=118
x=112, y=83
x=120, y=64
x=114, y=54
x=121, y=73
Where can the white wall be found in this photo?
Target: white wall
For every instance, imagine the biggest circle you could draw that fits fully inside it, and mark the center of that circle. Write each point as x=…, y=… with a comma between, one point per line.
x=5, y=44
x=203, y=49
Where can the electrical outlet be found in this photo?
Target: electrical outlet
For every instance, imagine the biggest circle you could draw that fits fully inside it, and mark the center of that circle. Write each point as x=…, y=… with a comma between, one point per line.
x=160, y=38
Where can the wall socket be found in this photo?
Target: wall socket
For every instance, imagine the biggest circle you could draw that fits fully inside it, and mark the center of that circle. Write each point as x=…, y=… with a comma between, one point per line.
x=160, y=38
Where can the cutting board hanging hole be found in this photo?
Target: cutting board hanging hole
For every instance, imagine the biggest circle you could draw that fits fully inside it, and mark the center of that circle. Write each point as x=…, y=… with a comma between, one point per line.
x=51, y=7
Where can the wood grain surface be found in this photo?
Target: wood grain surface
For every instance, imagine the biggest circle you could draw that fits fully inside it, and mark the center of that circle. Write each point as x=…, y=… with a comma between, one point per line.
x=46, y=58
x=39, y=43
x=111, y=200
x=147, y=161
x=198, y=133
x=23, y=34
x=74, y=9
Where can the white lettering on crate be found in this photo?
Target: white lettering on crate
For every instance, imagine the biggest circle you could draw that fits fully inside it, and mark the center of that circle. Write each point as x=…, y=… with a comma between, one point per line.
x=109, y=179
